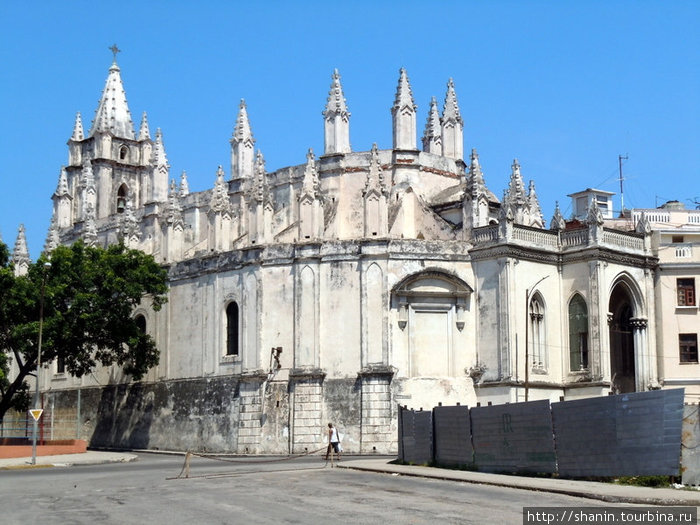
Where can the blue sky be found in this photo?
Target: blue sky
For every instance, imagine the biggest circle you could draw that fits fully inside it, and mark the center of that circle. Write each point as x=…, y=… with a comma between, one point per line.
x=563, y=86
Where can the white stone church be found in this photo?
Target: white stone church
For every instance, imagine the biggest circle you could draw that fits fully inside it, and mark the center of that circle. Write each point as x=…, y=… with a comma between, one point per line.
x=341, y=287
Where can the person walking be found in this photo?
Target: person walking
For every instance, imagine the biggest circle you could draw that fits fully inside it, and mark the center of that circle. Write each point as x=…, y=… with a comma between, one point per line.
x=333, y=441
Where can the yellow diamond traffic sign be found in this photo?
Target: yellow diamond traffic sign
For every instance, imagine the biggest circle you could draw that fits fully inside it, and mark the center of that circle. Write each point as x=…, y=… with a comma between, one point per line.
x=36, y=413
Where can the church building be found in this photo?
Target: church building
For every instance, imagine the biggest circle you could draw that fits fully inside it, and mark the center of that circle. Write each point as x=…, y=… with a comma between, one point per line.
x=345, y=285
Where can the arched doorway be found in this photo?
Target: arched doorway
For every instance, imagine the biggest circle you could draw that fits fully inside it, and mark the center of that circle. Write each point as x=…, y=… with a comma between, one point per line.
x=622, y=360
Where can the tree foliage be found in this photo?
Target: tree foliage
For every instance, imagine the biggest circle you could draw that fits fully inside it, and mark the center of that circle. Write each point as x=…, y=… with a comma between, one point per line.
x=90, y=295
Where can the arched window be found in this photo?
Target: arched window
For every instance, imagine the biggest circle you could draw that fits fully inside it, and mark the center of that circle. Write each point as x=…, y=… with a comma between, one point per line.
x=537, y=332
x=232, y=329
x=578, y=333
x=121, y=198
x=123, y=153
x=140, y=321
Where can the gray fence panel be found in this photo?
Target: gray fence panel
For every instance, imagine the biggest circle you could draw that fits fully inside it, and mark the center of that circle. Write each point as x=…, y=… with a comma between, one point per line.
x=452, y=436
x=416, y=437
x=625, y=435
x=513, y=438
x=690, y=452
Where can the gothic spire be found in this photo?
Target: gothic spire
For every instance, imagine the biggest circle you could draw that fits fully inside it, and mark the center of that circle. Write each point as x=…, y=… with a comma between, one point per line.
x=558, y=222
x=20, y=254
x=475, y=182
x=52, y=239
x=432, y=136
x=404, y=114
x=242, y=146
x=310, y=184
x=242, y=131
x=144, y=132
x=375, y=176
x=516, y=188
x=533, y=204
x=219, y=196
x=336, y=118
x=159, y=158
x=78, y=128
x=113, y=113
x=62, y=187
x=452, y=125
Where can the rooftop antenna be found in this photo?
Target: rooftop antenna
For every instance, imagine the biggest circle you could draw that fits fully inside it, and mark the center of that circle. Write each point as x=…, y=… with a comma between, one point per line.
x=620, y=158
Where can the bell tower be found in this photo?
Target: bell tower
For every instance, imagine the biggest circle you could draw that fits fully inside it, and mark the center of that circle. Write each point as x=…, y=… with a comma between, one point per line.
x=125, y=168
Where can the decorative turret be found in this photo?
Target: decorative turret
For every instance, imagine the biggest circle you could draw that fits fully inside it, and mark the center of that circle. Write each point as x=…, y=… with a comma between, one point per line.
x=129, y=227
x=242, y=146
x=62, y=207
x=260, y=203
x=144, y=131
x=90, y=227
x=375, y=198
x=113, y=115
x=476, y=201
x=533, y=207
x=184, y=185
x=78, y=134
x=432, y=136
x=310, y=210
x=20, y=254
x=452, y=125
x=52, y=238
x=74, y=146
x=174, y=224
x=558, y=222
x=161, y=170
x=403, y=114
x=220, y=202
x=336, y=120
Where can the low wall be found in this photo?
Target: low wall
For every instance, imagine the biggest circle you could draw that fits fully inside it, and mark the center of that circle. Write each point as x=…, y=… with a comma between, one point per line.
x=48, y=448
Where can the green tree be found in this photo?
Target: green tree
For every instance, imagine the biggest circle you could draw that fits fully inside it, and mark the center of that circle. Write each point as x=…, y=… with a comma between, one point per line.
x=89, y=298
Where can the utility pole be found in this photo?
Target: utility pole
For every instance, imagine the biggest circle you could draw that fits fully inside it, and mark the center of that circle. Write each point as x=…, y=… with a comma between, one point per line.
x=620, y=158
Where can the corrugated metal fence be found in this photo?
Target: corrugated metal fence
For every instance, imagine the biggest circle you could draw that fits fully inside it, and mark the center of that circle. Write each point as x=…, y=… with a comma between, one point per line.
x=624, y=435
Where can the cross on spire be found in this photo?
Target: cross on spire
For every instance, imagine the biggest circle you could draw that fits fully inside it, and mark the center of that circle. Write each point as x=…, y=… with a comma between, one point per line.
x=114, y=49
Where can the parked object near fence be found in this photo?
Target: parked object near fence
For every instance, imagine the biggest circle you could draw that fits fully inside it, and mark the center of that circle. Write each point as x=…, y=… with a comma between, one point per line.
x=416, y=436
x=452, y=436
x=635, y=434
x=623, y=435
x=513, y=438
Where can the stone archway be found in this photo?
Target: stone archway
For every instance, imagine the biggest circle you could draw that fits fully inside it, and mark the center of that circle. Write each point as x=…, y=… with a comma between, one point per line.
x=622, y=325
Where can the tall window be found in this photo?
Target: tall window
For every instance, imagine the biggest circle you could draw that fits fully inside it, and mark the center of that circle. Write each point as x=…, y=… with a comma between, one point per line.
x=688, y=347
x=232, y=329
x=537, y=334
x=578, y=333
x=686, y=292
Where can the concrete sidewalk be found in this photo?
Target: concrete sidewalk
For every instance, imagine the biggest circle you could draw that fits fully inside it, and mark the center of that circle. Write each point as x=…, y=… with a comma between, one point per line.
x=91, y=457
x=607, y=492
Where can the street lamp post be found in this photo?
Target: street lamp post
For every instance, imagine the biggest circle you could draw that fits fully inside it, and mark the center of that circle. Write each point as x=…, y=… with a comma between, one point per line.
x=527, y=324
x=38, y=360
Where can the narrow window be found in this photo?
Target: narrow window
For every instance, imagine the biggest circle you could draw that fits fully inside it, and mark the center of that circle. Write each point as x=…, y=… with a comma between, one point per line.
x=123, y=152
x=60, y=365
x=578, y=333
x=686, y=292
x=688, y=348
x=232, y=329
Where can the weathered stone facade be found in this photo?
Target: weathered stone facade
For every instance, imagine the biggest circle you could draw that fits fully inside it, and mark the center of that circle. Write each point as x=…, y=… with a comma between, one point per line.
x=336, y=289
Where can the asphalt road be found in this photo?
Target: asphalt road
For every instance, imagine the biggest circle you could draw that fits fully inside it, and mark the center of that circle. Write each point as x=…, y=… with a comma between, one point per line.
x=261, y=490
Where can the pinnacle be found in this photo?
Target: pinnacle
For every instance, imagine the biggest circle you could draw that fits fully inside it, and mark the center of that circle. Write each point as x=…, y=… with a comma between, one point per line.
x=404, y=95
x=112, y=114
x=336, y=103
